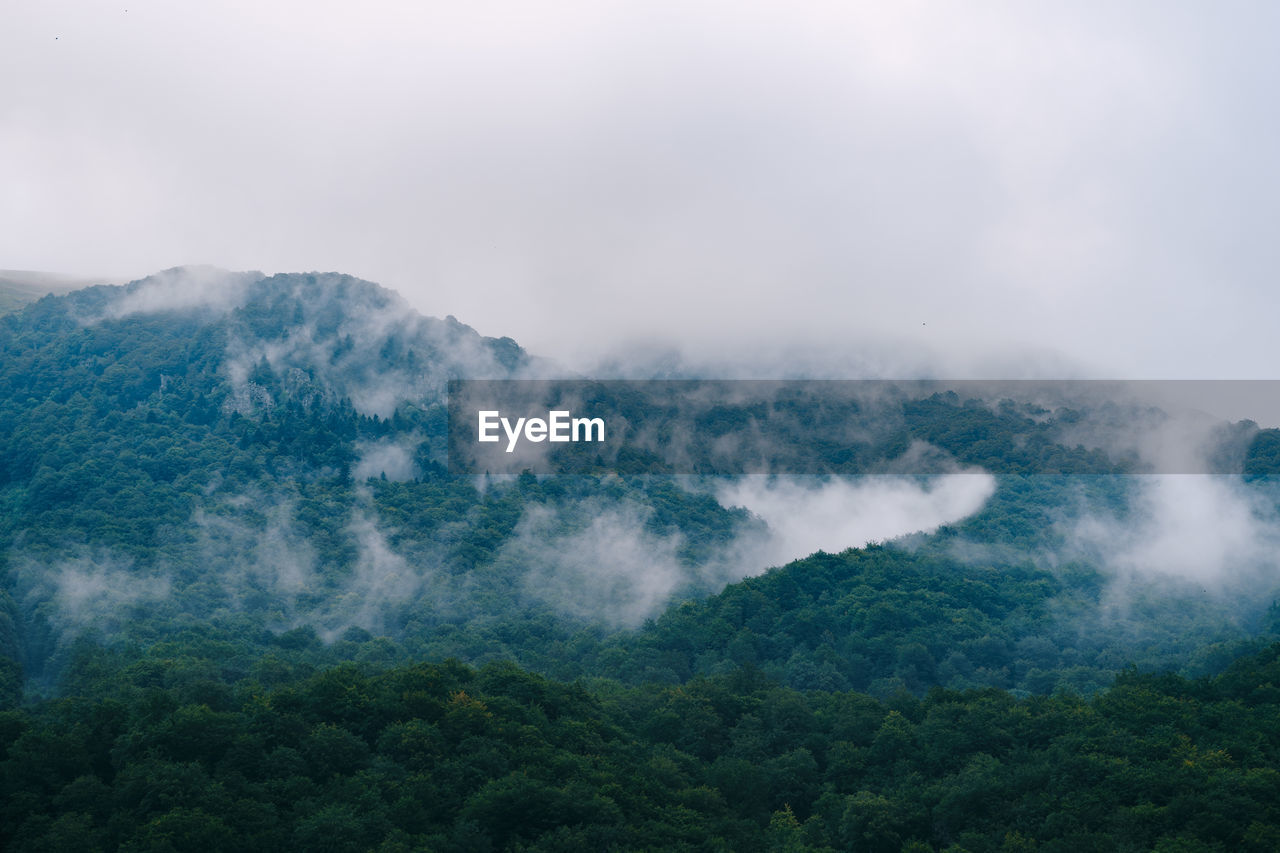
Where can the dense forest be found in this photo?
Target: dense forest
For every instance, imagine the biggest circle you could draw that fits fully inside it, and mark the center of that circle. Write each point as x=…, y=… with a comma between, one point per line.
x=170, y=752
x=244, y=605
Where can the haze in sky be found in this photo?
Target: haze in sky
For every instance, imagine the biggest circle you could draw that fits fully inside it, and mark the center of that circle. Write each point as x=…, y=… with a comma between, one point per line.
x=989, y=188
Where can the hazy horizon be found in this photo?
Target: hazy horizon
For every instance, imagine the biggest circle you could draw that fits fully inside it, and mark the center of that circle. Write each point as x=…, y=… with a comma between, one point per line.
x=992, y=188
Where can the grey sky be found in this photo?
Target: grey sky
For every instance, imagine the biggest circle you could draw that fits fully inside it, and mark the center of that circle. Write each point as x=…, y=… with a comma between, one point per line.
x=1092, y=186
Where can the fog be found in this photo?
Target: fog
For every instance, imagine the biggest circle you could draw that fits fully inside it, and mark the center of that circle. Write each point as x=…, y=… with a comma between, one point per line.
x=981, y=187
x=804, y=516
x=1208, y=533
x=346, y=339
x=81, y=591
x=598, y=560
x=100, y=592
x=610, y=569
x=389, y=458
x=259, y=554
x=184, y=289
x=381, y=581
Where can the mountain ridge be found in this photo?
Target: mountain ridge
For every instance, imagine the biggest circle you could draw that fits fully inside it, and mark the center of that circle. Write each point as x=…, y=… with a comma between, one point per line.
x=269, y=451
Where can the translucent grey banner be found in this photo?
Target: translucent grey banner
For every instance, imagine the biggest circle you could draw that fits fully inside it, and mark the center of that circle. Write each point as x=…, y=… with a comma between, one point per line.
x=846, y=427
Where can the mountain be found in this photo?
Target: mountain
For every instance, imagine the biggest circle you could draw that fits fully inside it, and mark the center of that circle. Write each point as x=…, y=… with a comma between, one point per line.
x=241, y=599
x=265, y=454
x=261, y=455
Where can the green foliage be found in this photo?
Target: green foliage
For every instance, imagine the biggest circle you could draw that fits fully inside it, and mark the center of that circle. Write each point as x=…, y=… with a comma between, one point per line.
x=212, y=631
x=882, y=619
x=448, y=757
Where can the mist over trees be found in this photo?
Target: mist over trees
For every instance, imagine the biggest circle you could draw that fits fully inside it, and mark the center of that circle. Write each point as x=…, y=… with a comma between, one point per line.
x=244, y=605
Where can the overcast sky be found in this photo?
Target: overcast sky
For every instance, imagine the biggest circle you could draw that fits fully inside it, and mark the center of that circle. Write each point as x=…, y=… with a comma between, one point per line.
x=1005, y=187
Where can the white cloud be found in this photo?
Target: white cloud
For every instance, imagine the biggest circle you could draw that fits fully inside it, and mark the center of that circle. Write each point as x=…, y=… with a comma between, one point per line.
x=831, y=516
x=1194, y=528
x=1092, y=179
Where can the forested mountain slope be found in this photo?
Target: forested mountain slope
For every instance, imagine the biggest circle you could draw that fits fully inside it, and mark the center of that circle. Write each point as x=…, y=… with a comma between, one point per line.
x=233, y=565
x=257, y=455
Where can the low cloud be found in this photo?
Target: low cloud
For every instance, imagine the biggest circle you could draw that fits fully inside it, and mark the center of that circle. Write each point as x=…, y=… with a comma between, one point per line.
x=183, y=289
x=263, y=559
x=261, y=554
x=381, y=581
x=87, y=591
x=610, y=568
x=391, y=457
x=1213, y=531
x=599, y=560
x=804, y=516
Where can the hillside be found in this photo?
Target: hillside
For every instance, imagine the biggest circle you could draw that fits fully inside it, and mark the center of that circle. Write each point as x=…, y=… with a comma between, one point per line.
x=227, y=507
x=22, y=287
